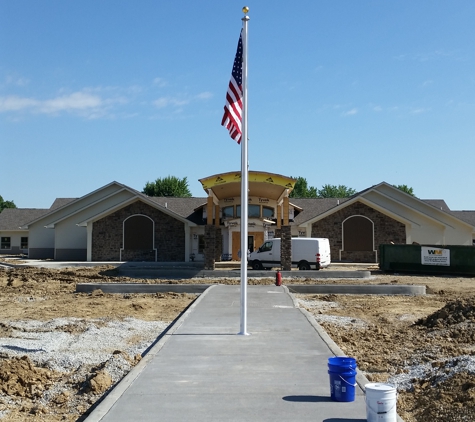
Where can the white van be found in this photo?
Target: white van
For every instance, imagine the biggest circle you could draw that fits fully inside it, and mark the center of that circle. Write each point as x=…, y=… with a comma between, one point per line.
x=307, y=253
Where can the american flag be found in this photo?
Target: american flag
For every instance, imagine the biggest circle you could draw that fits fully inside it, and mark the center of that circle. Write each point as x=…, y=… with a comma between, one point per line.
x=232, y=117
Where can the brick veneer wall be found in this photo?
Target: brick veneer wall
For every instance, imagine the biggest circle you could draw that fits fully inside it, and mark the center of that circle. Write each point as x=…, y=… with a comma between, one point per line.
x=286, y=248
x=386, y=230
x=107, y=236
x=210, y=246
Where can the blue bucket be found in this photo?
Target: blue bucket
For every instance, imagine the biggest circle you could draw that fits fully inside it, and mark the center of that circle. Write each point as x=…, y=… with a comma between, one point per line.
x=342, y=371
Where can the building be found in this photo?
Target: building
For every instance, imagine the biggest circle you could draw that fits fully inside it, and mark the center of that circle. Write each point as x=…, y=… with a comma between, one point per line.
x=118, y=223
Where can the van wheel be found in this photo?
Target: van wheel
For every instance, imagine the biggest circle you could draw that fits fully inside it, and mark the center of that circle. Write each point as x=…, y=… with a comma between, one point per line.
x=256, y=265
x=304, y=266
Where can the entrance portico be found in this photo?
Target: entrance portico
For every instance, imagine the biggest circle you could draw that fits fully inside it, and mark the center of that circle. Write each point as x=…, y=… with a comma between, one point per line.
x=268, y=208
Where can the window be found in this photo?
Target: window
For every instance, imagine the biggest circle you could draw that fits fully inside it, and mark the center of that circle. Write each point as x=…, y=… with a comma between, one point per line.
x=266, y=247
x=201, y=243
x=267, y=212
x=24, y=243
x=253, y=211
x=5, y=243
x=228, y=212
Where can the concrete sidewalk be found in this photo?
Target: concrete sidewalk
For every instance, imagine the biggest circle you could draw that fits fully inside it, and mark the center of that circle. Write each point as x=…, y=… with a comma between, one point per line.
x=201, y=370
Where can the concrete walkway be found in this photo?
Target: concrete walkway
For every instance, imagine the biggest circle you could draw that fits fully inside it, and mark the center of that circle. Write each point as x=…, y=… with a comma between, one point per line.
x=201, y=370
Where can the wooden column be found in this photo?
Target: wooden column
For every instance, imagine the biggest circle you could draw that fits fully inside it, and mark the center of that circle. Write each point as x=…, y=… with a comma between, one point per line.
x=286, y=211
x=279, y=216
x=209, y=211
x=216, y=215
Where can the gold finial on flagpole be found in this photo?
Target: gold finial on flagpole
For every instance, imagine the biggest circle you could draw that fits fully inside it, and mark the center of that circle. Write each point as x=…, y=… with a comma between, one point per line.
x=245, y=10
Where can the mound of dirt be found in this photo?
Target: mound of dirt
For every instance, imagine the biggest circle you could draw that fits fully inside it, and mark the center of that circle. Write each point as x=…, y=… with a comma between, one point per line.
x=21, y=378
x=454, y=312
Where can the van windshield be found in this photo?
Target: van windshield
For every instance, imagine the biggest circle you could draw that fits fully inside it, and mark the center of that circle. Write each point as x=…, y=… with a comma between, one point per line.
x=267, y=246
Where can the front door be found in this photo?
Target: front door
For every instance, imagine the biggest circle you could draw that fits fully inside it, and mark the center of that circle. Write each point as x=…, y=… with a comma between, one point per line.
x=254, y=240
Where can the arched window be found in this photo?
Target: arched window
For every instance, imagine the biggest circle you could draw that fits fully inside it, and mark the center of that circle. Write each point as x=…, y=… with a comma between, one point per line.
x=138, y=233
x=358, y=234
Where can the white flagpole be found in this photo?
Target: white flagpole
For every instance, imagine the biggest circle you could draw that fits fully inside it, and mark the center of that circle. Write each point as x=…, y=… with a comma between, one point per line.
x=244, y=180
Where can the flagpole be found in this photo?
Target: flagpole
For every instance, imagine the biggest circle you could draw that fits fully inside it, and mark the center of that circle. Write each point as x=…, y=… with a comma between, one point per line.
x=244, y=179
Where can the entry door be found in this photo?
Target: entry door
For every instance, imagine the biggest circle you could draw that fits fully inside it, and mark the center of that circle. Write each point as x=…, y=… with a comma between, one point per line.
x=257, y=240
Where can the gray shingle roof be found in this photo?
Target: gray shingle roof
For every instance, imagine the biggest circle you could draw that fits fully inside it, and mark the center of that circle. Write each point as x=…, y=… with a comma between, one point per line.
x=467, y=216
x=13, y=218
x=184, y=207
x=59, y=202
x=311, y=207
x=438, y=203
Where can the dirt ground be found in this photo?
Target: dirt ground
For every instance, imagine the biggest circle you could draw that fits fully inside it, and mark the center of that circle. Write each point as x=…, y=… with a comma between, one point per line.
x=422, y=344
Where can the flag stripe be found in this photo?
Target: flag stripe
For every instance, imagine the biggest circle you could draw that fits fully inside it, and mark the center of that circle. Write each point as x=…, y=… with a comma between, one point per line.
x=232, y=117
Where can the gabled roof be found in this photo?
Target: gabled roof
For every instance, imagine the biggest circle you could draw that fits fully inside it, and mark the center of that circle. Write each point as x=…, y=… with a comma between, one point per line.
x=189, y=208
x=386, y=193
x=11, y=219
x=311, y=207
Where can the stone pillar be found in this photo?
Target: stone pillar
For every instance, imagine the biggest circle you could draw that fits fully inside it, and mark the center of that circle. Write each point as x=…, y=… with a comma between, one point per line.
x=210, y=247
x=286, y=248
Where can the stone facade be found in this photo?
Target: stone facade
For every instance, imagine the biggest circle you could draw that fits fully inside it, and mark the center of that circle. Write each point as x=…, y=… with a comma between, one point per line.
x=211, y=246
x=286, y=248
x=386, y=230
x=107, y=236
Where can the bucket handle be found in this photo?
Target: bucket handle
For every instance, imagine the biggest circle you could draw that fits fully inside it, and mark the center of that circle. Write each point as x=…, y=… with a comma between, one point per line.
x=349, y=383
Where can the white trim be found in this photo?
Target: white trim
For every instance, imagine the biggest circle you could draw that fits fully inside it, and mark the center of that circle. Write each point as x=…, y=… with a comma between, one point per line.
x=343, y=234
x=123, y=234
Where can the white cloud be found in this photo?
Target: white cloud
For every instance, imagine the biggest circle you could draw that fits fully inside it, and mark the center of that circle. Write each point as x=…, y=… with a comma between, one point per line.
x=351, y=112
x=419, y=110
x=177, y=102
x=377, y=108
x=160, y=82
x=74, y=101
x=84, y=103
x=14, y=103
x=163, y=102
x=204, y=95
x=15, y=80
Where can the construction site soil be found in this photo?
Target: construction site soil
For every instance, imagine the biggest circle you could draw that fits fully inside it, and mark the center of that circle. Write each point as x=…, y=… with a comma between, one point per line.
x=423, y=345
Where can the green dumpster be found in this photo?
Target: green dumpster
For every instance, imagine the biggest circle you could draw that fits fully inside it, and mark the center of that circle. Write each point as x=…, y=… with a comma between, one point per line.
x=431, y=259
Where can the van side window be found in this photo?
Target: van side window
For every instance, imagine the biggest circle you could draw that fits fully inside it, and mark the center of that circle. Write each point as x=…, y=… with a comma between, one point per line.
x=266, y=247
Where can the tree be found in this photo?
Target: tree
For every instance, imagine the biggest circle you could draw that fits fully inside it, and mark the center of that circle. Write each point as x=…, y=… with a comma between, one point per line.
x=406, y=189
x=302, y=190
x=333, y=191
x=6, y=204
x=168, y=186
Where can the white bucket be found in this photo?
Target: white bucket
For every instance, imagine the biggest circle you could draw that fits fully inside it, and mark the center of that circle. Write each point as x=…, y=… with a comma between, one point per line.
x=380, y=403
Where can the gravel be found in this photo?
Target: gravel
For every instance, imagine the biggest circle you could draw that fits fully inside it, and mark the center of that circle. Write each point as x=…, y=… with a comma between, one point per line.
x=437, y=371
x=64, y=344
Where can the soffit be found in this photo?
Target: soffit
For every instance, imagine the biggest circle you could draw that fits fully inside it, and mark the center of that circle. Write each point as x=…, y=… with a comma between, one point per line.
x=261, y=184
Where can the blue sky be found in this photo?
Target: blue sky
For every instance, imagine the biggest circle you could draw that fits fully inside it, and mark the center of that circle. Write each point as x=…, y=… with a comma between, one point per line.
x=340, y=92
